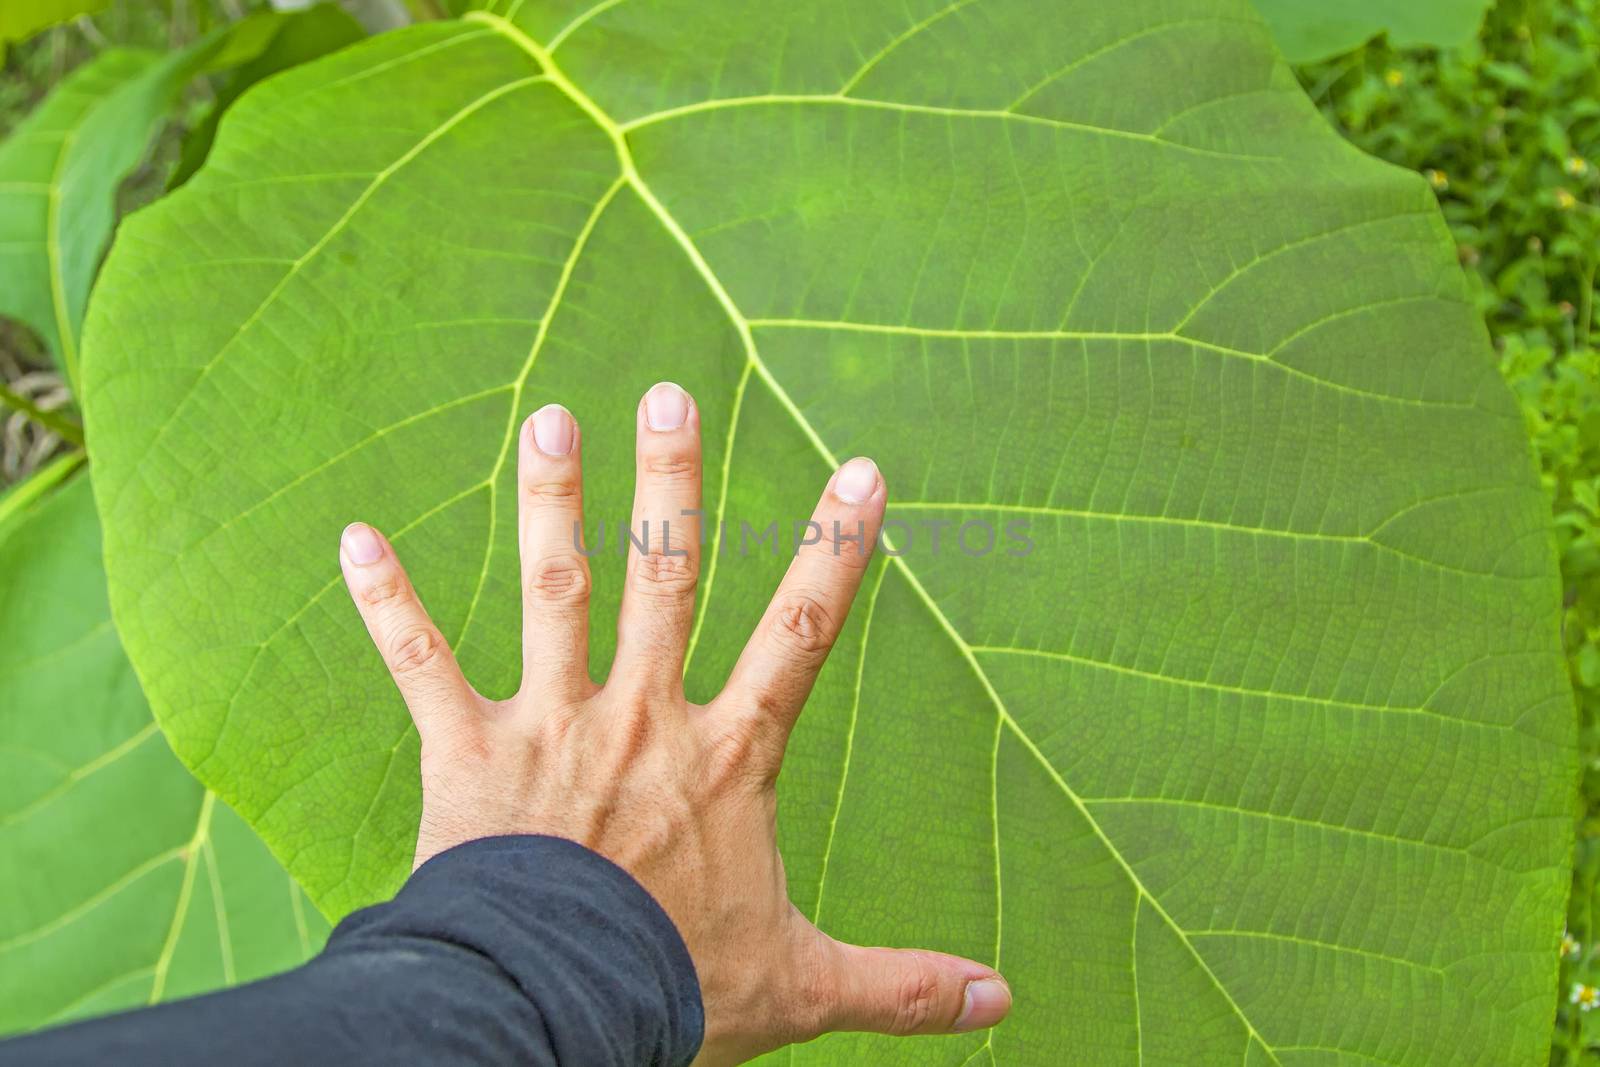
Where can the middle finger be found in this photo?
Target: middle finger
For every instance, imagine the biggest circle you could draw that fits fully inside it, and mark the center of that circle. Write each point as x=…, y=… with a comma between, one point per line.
x=664, y=543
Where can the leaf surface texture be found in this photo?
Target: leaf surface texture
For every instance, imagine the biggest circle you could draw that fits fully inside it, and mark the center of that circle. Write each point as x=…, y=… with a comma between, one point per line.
x=1263, y=755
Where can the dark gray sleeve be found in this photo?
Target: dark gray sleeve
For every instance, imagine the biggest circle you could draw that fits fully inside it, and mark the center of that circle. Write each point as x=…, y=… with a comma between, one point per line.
x=507, y=950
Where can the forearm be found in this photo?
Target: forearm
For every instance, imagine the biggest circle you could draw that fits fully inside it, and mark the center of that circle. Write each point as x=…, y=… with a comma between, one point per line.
x=524, y=950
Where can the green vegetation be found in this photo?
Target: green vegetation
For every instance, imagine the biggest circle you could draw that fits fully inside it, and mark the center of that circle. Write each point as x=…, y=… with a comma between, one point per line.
x=92, y=798
x=135, y=30
x=1507, y=131
x=1309, y=30
x=140, y=884
x=1182, y=329
x=21, y=19
x=1279, y=690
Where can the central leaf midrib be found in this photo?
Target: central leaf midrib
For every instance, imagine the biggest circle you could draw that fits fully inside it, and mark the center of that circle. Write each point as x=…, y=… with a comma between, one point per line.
x=631, y=175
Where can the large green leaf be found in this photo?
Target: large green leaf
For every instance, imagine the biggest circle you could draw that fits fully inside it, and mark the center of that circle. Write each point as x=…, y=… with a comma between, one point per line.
x=1263, y=755
x=126, y=881
x=59, y=172
x=1309, y=30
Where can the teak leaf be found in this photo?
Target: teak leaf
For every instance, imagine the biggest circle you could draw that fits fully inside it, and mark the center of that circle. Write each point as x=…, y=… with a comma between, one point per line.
x=1263, y=752
x=1309, y=30
x=59, y=172
x=126, y=881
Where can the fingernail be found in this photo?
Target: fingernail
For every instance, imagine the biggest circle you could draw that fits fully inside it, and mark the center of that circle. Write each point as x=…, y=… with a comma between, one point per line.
x=666, y=406
x=857, y=480
x=552, y=430
x=361, y=544
x=986, y=1003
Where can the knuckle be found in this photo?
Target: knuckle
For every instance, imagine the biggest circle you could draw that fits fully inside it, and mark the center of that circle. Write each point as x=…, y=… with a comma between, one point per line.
x=918, y=997
x=665, y=574
x=559, y=578
x=416, y=650
x=741, y=752
x=388, y=589
x=555, y=729
x=656, y=829
x=802, y=625
x=633, y=727
x=848, y=549
x=773, y=704
x=550, y=491
x=670, y=468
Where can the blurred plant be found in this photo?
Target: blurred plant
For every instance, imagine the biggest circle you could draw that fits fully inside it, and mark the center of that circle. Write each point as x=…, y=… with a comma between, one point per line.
x=1307, y=31
x=144, y=86
x=35, y=421
x=1507, y=131
x=32, y=426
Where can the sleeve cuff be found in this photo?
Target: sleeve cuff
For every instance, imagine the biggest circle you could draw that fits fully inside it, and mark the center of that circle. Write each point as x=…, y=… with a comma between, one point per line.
x=582, y=940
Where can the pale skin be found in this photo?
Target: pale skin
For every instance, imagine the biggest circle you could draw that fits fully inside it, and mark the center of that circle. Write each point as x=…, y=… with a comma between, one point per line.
x=680, y=795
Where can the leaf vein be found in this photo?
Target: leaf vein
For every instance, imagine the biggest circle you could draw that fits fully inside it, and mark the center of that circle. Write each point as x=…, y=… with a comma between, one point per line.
x=836, y=100
x=1195, y=683
x=78, y=774
x=899, y=39
x=1112, y=46
x=714, y=284
x=508, y=445
x=191, y=858
x=722, y=509
x=579, y=22
x=322, y=242
x=1100, y=335
x=849, y=744
x=1323, y=946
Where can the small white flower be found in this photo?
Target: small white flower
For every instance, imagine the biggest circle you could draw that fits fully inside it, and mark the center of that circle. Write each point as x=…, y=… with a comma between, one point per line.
x=1570, y=946
x=1586, y=997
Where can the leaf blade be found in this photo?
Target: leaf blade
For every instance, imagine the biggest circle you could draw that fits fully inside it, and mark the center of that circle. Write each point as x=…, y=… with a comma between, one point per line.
x=106, y=923
x=1185, y=412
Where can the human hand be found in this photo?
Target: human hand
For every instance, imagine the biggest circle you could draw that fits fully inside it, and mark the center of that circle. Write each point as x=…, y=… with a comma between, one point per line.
x=680, y=795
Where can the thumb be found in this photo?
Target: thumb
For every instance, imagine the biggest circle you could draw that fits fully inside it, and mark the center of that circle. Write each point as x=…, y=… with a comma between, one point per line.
x=912, y=991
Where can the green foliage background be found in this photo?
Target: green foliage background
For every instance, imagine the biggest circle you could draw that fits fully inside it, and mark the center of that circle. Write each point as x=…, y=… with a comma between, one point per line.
x=1311, y=30
x=1507, y=129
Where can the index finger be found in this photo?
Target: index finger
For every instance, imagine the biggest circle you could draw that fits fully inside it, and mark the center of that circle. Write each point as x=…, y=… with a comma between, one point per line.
x=775, y=672
x=416, y=653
